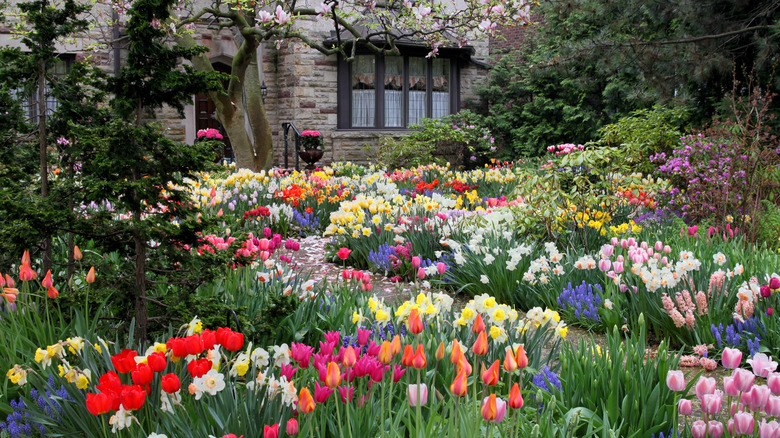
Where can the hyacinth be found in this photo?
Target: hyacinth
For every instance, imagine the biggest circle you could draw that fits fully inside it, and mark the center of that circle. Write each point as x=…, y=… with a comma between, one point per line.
x=18, y=423
x=738, y=334
x=583, y=300
x=308, y=221
x=546, y=376
x=682, y=309
x=383, y=258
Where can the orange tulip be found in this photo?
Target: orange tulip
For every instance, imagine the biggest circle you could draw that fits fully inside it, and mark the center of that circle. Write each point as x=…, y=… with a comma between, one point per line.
x=385, y=353
x=52, y=292
x=2, y=280
x=9, y=281
x=419, y=361
x=510, y=364
x=480, y=346
x=333, y=375
x=479, y=324
x=515, y=397
x=26, y=258
x=349, y=357
x=521, y=358
x=489, y=408
x=47, y=282
x=306, y=402
x=414, y=323
x=406, y=359
x=26, y=273
x=440, y=351
x=456, y=352
x=490, y=375
x=460, y=385
x=10, y=294
x=91, y=275
x=464, y=364
x=76, y=253
x=396, y=344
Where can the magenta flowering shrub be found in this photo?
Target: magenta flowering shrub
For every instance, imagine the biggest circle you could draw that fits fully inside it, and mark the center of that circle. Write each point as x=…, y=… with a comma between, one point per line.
x=311, y=139
x=727, y=170
x=711, y=172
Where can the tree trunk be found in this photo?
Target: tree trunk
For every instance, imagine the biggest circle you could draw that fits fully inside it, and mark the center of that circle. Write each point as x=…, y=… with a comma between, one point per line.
x=241, y=111
x=141, y=316
x=44, y=167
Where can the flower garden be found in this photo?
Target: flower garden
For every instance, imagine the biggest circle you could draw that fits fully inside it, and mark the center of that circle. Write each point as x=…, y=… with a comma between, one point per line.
x=490, y=272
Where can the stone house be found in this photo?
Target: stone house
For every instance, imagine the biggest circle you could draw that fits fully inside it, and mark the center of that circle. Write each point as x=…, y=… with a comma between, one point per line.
x=352, y=104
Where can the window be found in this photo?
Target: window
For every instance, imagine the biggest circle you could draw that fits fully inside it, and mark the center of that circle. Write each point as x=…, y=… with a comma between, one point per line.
x=394, y=92
x=30, y=103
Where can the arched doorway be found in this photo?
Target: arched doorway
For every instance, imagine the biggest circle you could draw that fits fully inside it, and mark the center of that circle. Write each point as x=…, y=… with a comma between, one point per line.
x=206, y=116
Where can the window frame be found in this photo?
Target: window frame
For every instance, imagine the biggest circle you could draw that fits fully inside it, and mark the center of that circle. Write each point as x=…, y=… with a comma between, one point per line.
x=344, y=92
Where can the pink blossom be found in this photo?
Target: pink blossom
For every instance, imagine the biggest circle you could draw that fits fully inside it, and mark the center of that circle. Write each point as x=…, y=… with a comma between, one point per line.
x=731, y=358
x=762, y=365
x=705, y=385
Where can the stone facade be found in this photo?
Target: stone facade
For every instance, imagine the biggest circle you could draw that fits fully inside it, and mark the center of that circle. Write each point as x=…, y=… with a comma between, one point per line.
x=301, y=88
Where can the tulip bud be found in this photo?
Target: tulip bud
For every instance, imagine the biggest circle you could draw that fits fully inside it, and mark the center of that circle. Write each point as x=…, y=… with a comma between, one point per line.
x=77, y=253
x=440, y=351
x=91, y=275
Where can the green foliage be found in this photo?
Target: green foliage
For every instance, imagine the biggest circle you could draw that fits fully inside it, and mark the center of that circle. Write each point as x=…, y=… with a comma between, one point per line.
x=588, y=63
x=768, y=228
x=620, y=384
x=455, y=138
x=646, y=132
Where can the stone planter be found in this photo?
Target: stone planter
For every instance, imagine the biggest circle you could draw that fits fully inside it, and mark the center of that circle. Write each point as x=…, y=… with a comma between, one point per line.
x=310, y=156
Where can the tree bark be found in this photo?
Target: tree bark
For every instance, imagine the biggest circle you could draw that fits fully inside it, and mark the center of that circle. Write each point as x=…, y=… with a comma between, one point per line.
x=44, y=167
x=241, y=111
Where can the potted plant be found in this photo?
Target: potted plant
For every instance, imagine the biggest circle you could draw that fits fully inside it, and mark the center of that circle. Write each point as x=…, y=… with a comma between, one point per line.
x=311, y=148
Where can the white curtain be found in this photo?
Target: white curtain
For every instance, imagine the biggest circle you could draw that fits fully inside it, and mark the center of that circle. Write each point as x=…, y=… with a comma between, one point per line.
x=394, y=101
x=416, y=106
x=363, y=108
x=441, y=104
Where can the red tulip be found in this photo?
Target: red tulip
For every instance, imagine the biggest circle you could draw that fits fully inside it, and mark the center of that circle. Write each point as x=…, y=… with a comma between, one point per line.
x=194, y=344
x=234, y=341
x=170, y=383
x=124, y=362
x=177, y=346
x=406, y=359
x=198, y=368
x=132, y=397
x=157, y=361
x=52, y=292
x=98, y=403
x=142, y=374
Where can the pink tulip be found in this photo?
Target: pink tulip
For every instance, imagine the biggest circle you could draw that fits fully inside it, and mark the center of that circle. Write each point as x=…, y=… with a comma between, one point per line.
x=416, y=262
x=759, y=396
x=607, y=250
x=263, y=244
x=363, y=335
x=699, y=429
x=769, y=430
x=643, y=245
x=301, y=353
x=743, y=423
x=614, y=241
x=412, y=392
x=684, y=407
x=693, y=230
x=664, y=260
x=343, y=253
x=675, y=380
x=604, y=265
x=618, y=267
x=774, y=283
x=623, y=243
x=346, y=393
x=667, y=249
x=772, y=407
x=712, y=403
x=631, y=241
x=398, y=372
x=705, y=385
x=729, y=388
x=773, y=381
x=659, y=246
x=762, y=365
x=421, y=273
x=716, y=429
x=321, y=393
x=441, y=268
x=732, y=358
x=743, y=379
